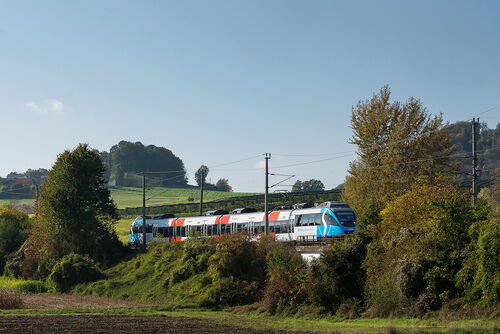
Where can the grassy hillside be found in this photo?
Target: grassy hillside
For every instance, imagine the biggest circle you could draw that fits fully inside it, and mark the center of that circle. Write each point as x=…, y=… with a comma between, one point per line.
x=132, y=197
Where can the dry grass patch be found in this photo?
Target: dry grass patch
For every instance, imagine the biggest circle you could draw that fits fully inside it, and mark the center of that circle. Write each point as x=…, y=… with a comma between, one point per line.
x=10, y=300
x=67, y=301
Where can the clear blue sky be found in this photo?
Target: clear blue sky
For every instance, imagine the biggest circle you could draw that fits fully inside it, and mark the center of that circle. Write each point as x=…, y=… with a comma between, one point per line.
x=219, y=81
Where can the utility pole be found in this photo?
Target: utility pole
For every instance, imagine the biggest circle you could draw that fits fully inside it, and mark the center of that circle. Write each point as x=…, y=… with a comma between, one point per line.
x=475, y=125
x=201, y=192
x=266, y=204
x=144, y=210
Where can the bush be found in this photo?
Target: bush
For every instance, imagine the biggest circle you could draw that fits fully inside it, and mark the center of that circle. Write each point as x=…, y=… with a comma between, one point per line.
x=237, y=270
x=237, y=256
x=73, y=269
x=13, y=231
x=33, y=287
x=416, y=262
x=10, y=300
x=338, y=275
x=286, y=287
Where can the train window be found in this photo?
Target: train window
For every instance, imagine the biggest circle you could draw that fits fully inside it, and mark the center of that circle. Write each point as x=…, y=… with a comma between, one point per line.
x=298, y=220
x=277, y=227
x=285, y=227
x=316, y=219
x=330, y=220
x=304, y=221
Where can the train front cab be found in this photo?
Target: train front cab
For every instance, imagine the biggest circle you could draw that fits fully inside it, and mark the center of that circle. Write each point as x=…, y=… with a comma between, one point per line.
x=325, y=224
x=135, y=236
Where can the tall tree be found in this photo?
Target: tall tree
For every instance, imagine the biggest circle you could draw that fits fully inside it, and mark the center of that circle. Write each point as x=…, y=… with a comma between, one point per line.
x=311, y=185
x=223, y=185
x=397, y=144
x=200, y=174
x=128, y=157
x=74, y=210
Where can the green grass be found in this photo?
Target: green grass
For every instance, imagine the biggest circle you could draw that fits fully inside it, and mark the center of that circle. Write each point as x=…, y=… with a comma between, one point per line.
x=123, y=228
x=145, y=278
x=132, y=197
x=10, y=283
x=16, y=201
x=25, y=286
x=260, y=321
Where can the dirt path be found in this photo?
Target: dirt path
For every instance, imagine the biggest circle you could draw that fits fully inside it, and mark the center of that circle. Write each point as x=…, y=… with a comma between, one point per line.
x=51, y=301
x=116, y=324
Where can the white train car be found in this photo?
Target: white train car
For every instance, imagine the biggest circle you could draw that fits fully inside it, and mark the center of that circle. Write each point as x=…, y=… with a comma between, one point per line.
x=310, y=224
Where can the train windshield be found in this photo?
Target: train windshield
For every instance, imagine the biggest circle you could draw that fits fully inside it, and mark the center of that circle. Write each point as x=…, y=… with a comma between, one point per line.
x=330, y=220
x=347, y=218
x=137, y=229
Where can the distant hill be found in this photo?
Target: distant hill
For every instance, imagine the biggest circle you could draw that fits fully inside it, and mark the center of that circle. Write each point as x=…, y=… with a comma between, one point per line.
x=488, y=147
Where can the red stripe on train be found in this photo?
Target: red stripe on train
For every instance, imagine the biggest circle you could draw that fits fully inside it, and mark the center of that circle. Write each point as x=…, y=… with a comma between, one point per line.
x=225, y=220
x=273, y=216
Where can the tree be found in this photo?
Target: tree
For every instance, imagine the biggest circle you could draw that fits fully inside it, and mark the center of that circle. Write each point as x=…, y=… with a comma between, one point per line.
x=297, y=186
x=127, y=157
x=223, y=185
x=74, y=211
x=37, y=174
x=13, y=231
x=311, y=185
x=419, y=247
x=201, y=172
x=397, y=144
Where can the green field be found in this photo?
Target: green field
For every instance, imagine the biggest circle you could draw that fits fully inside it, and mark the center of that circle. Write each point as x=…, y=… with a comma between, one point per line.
x=16, y=201
x=132, y=197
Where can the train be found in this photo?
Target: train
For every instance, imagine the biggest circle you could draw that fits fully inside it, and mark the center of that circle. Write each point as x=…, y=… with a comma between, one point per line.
x=328, y=220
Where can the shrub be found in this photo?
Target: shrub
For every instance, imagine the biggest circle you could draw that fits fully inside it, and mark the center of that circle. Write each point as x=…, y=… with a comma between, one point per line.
x=32, y=287
x=286, y=287
x=237, y=256
x=13, y=231
x=338, y=274
x=10, y=300
x=72, y=270
x=419, y=252
x=237, y=271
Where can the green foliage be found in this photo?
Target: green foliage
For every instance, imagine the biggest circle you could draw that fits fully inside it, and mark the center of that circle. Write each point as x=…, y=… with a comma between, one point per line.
x=311, y=185
x=398, y=144
x=286, y=288
x=237, y=269
x=488, y=144
x=223, y=185
x=419, y=249
x=72, y=270
x=32, y=287
x=338, y=275
x=236, y=255
x=480, y=275
x=14, y=226
x=133, y=157
x=201, y=174
x=74, y=211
